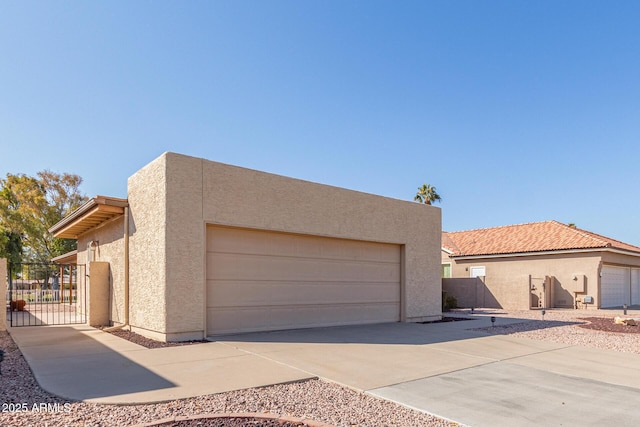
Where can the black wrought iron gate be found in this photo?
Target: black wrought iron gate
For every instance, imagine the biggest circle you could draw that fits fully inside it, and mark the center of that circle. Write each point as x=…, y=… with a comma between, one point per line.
x=46, y=294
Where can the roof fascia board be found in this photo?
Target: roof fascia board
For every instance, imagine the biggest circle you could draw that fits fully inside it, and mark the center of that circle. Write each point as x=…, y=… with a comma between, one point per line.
x=65, y=257
x=73, y=216
x=559, y=252
x=622, y=251
x=99, y=202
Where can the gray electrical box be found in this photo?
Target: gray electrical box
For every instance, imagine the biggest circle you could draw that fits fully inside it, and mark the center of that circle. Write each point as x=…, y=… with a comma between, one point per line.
x=587, y=299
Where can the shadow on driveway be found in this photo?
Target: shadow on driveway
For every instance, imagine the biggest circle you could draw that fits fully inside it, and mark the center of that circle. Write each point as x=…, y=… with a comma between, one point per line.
x=78, y=367
x=397, y=333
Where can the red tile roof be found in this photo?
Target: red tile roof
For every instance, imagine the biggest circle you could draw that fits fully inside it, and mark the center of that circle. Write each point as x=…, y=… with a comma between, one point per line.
x=525, y=238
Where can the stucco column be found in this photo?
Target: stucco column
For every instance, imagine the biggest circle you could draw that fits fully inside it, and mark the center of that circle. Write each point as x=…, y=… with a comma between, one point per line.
x=98, y=298
x=3, y=291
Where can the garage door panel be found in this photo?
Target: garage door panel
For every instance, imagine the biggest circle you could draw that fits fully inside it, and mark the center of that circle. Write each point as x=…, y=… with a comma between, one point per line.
x=249, y=319
x=256, y=267
x=635, y=286
x=255, y=242
x=262, y=293
x=264, y=280
x=614, y=286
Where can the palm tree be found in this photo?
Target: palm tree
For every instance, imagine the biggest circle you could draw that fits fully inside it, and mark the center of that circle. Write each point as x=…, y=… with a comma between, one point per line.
x=427, y=194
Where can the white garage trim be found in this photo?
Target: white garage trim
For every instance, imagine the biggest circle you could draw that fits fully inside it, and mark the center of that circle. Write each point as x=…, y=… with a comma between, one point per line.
x=261, y=280
x=615, y=287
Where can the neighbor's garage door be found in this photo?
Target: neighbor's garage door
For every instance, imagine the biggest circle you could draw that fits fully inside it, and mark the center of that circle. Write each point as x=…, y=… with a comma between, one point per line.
x=635, y=286
x=262, y=280
x=614, y=286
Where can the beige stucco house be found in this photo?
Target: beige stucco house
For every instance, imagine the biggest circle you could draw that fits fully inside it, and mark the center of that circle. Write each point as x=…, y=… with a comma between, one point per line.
x=201, y=248
x=543, y=264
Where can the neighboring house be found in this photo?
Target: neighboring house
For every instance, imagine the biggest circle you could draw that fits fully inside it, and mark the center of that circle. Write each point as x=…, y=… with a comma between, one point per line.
x=542, y=264
x=201, y=248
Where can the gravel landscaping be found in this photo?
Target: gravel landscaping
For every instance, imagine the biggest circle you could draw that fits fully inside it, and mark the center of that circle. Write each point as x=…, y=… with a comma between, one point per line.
x=228, y=422
x=149, y=343
x=26, y=404
x=586, y=328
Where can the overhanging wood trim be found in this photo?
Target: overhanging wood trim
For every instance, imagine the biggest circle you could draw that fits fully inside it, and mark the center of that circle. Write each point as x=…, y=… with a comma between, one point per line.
x=92, y=214
x=68, y=258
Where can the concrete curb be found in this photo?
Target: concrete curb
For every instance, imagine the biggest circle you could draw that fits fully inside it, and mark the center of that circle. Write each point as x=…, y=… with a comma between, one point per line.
x=256, y=415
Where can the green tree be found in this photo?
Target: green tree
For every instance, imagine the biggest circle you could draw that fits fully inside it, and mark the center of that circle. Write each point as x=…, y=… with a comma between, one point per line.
x=10, y=246
x=29, y=206
x=427, y=194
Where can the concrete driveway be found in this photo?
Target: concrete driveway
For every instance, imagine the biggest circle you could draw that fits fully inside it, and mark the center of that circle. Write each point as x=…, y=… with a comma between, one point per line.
x=463, y=375
x=444, y=369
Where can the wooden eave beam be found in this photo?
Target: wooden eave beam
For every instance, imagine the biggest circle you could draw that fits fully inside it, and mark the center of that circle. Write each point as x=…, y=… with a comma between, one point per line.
x=95, y=216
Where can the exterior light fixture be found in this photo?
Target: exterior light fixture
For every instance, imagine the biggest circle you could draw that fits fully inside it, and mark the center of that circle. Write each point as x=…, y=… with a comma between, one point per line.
x=91, y=249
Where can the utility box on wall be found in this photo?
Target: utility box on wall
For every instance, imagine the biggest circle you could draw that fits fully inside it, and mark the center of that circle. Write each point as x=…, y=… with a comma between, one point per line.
x=579, y=283
x=98, y=293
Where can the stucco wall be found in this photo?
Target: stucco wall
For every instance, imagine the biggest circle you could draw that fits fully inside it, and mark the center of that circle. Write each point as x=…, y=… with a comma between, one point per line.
x=196, y=192
x=186, y=245
x=613, y=258
x=201, y=192
x=147, y=195
x=507, y=279
x=98, y=298
x=109, y=248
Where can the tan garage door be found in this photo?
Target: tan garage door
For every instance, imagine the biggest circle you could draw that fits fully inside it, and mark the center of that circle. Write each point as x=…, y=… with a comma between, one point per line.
x=262, y=280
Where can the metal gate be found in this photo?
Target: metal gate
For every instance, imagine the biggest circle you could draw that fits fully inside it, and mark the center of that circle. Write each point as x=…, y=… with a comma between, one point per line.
x=46, y=294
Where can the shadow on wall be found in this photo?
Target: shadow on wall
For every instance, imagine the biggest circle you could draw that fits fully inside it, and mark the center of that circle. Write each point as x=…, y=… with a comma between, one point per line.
x=132, y=223
x=470, y=292
x=114, y=297
x=562, y=297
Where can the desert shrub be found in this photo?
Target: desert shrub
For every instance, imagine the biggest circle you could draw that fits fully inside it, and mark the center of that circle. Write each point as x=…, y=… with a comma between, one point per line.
x=450, y=302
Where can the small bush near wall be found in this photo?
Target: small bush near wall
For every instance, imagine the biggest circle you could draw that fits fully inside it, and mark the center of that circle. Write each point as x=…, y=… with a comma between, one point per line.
x=448, y=302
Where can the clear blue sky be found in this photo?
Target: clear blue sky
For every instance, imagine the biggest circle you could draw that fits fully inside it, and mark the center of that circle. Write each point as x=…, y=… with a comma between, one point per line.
x=516, y=111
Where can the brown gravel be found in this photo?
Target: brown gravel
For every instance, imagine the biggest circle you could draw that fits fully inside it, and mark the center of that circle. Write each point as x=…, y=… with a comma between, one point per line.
x=229, y=422
x=148, y=342
x=608, y=325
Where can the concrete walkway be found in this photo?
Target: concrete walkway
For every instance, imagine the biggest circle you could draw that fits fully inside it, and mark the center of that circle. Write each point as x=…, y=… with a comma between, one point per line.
x=444, y=369
x=79, y=362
